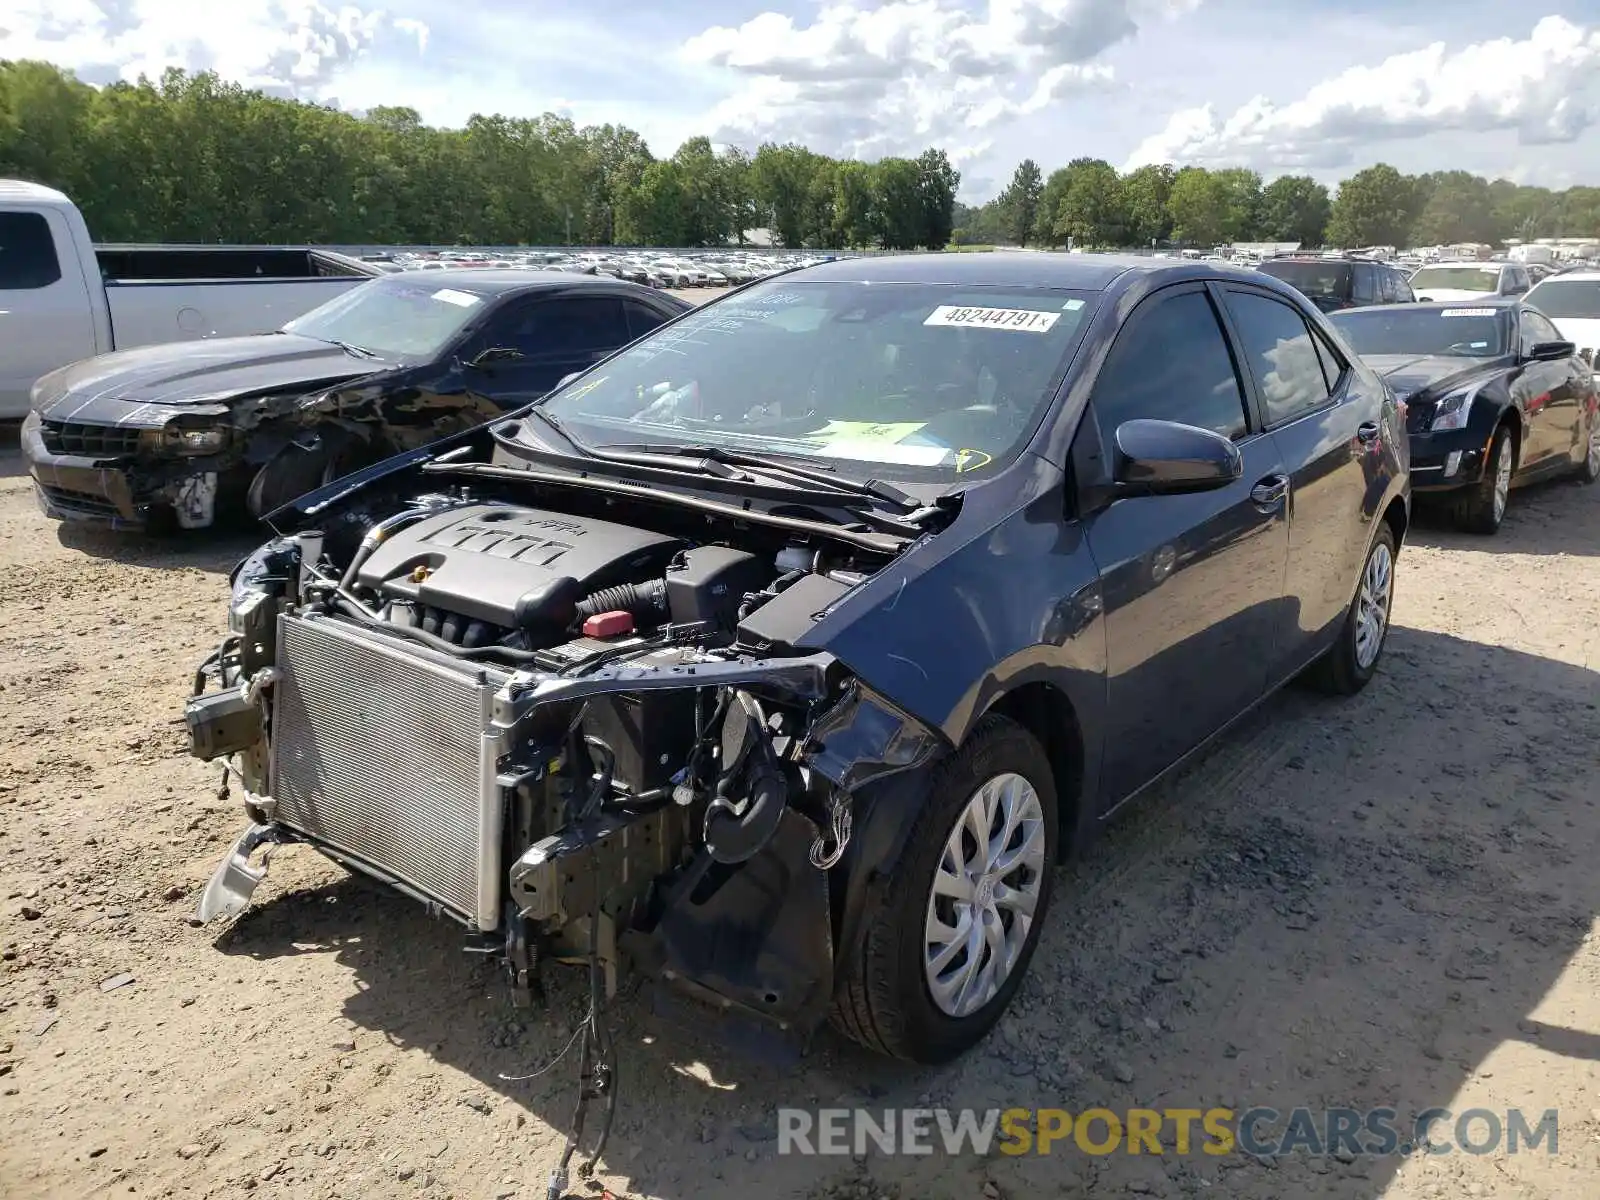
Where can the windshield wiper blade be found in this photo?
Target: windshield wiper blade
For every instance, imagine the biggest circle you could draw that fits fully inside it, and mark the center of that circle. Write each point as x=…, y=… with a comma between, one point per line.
x=699, y=465
x=874, y=488
x=353, y=349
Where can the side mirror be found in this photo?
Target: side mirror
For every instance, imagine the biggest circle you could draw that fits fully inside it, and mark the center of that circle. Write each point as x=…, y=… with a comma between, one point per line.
x=1166, y=458
x=495, y=354
x=566, y=379
x=1551, y=351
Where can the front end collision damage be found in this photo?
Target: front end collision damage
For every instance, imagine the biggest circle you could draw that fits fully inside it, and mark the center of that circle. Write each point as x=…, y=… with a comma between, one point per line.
x=195, y=462
x=738, y=877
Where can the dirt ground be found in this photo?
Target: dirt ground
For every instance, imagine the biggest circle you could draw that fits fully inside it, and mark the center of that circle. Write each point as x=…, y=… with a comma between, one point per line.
x=1389, y=901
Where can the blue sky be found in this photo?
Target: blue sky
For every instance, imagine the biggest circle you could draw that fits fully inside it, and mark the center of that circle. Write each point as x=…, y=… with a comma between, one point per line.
x=1290, y=85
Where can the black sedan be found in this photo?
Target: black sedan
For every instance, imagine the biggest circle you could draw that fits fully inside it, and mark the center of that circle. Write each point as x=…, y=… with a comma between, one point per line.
x=790, y=648
x=176, y=433
x=1495, y=398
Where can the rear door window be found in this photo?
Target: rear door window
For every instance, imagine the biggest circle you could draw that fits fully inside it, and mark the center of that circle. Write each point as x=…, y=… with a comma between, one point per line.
x=555, y=326
x=1364, y=288
x=27, y=252
x=1282, y=356
x=641, y=318
x=1172, y=363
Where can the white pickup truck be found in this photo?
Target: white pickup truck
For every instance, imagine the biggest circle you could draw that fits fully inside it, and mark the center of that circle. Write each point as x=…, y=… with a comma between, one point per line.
x=63, y=299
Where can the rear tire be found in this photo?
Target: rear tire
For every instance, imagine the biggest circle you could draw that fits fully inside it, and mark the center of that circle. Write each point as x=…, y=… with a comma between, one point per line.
x=1483, y=506
x=885, y=999
x=1352, y=661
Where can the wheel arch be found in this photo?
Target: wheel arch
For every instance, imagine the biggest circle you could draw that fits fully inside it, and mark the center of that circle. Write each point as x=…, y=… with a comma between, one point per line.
x=1398, y=520
x=1047, y=713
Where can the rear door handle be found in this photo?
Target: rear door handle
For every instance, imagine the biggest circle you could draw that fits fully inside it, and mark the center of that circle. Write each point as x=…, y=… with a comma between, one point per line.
x=1269, y=493
x=1368, y=432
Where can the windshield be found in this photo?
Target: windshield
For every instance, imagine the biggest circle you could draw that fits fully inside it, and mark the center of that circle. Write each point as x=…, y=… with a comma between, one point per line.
x=396, y=317
x=909, y=381
x=1415, y=330
x=1325, y=280
x=1557, y=298
x=1464, y=279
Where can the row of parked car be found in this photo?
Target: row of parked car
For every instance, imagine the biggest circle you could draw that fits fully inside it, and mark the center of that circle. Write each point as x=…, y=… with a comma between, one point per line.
x=687, y=270
x=1494, y=367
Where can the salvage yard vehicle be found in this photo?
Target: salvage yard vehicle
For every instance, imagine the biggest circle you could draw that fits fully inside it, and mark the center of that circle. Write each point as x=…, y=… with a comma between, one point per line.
x=1334, y=283
x=1495, y=398
x=174, y=434
x=1572, y=302
x=784, y=653
x=1447, y=281
x=62, y=298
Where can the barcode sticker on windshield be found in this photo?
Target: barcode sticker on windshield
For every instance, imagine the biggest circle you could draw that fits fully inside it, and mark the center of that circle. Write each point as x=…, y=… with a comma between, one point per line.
x=1467, y=312
x=451, y=296
x=1023, y=320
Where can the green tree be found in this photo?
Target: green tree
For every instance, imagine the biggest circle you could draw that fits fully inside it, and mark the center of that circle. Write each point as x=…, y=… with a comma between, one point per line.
x=1145, y=194
x=1242, y=190
x=937, y=184
x=1019, y=203
x=1200, y=207
x=897, y=204
x=1294, y=208
x=1092, y=211
x=854, y=190
x=1374, y=207
x=782, y=181
x=1459, y=207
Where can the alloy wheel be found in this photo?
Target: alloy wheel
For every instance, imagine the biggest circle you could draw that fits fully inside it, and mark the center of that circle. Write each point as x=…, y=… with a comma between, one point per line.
x=1372, y=605
x=986, y=888
x=1502, y=479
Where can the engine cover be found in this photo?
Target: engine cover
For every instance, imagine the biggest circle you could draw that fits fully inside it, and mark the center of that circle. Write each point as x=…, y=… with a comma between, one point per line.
x=509, y=566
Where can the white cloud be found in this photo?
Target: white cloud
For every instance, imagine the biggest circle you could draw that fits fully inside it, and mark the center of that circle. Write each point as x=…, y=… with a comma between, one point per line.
x=292, y=47
x=867, y=80
x=1544, y=89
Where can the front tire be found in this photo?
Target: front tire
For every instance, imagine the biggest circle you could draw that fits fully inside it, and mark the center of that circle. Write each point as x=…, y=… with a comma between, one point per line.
x=956, y=922
x=1352, y=661
x=1483, y=507
x=1589, y=470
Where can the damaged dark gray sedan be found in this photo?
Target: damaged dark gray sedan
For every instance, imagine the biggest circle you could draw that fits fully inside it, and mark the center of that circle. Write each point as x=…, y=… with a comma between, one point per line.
x=191, y=433
x=782, y=654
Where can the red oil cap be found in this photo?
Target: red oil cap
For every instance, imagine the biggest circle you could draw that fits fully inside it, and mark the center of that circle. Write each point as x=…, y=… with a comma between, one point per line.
x=608, y=624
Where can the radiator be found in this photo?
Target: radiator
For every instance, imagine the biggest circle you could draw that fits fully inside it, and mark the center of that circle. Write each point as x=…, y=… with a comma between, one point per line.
x=383, y=754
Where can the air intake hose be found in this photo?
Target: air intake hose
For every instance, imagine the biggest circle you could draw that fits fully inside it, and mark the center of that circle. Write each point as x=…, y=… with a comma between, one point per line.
x=641, y=599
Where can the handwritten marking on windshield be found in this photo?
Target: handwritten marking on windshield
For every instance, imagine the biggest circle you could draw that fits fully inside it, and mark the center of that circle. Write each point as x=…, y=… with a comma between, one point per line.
x=971, y=460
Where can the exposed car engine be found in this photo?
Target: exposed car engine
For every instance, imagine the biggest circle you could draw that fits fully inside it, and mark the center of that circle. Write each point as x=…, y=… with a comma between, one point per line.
x=585, y=739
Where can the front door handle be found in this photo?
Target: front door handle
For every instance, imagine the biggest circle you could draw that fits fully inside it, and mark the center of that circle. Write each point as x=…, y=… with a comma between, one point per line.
x=1269, y=493
x=1368, y=431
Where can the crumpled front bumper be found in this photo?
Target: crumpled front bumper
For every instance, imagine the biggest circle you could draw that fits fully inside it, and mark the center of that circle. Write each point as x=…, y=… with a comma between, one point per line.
x=123, y=491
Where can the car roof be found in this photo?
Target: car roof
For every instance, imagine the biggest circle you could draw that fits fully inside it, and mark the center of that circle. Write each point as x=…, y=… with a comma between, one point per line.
x=1573, y=277
x=497, y=281
x=1079, y=272
x=25, y=192
x=1476, y=264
